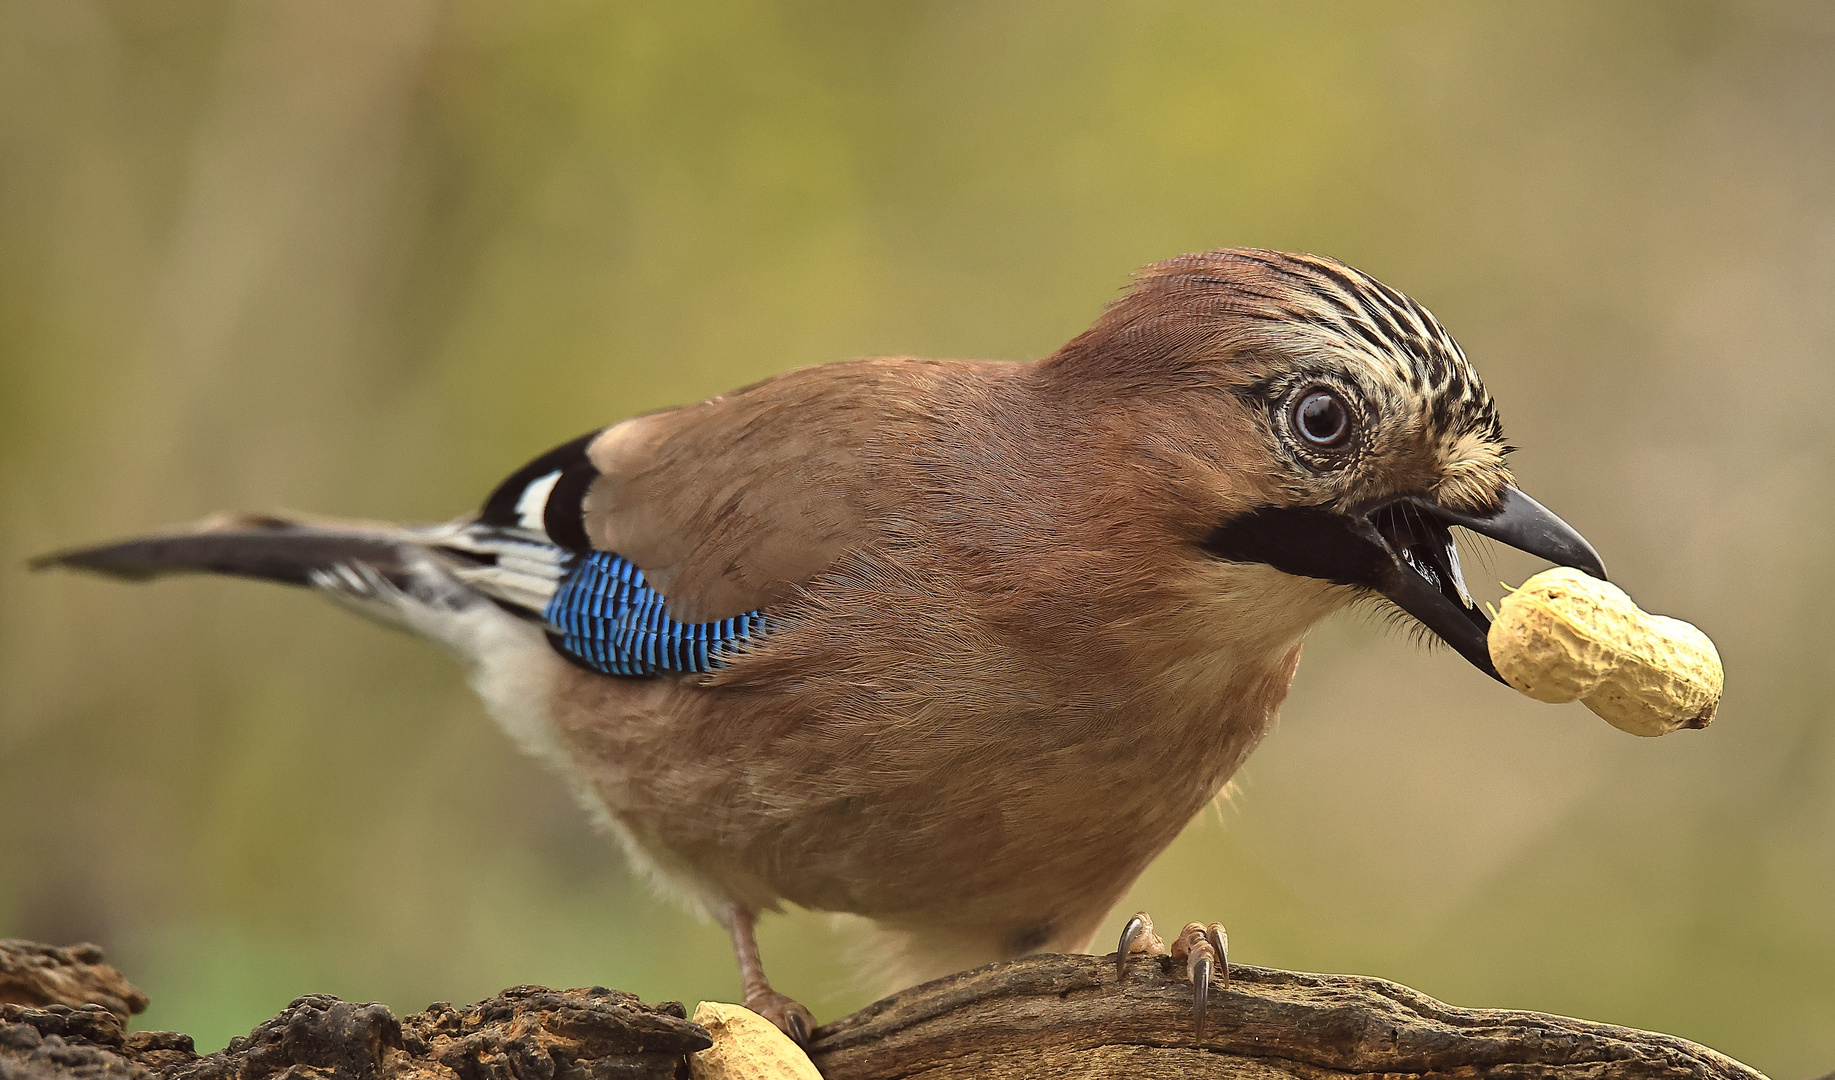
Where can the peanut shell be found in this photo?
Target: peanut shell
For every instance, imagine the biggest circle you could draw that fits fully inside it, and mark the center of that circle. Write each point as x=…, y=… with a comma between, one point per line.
x=1565, y=636
x=746, y=1047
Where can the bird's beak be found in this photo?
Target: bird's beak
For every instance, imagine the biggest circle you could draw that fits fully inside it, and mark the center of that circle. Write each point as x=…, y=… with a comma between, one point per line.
x=1424, y=578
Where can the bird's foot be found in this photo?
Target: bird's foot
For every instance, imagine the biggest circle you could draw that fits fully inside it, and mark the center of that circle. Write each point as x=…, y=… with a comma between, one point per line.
x=1204, y=948
x=1137, y=936
x=791, y=1018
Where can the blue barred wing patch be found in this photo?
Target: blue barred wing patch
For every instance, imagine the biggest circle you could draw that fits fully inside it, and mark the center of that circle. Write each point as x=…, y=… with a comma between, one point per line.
x=608, y=619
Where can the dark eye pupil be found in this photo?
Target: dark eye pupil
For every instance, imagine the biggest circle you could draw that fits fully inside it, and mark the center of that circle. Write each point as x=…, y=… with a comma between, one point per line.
x=1323, y=419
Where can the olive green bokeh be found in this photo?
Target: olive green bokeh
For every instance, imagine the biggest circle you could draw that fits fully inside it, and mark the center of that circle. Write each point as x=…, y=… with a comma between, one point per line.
x=365, y=259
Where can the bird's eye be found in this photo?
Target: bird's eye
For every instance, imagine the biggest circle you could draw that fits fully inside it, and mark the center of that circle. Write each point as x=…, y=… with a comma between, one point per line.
x=1322, y=419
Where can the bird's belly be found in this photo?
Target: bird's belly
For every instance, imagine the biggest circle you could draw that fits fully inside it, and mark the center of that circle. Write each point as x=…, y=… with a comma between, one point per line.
x=1015, y=822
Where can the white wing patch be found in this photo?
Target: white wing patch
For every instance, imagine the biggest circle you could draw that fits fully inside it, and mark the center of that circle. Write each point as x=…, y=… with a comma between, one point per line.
x=533, y=505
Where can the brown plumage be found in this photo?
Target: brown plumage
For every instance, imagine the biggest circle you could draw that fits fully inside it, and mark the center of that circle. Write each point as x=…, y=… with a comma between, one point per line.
x=1022, y=621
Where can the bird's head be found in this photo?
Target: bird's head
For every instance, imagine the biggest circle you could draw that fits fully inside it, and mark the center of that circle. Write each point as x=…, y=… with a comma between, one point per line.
x=1320, y=423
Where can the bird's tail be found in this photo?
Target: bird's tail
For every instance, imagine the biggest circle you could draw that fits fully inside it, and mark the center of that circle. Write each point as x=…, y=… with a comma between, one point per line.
x=403, y=575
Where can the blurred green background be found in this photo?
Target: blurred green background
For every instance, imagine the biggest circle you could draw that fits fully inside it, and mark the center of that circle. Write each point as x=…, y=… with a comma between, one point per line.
x=365, y=259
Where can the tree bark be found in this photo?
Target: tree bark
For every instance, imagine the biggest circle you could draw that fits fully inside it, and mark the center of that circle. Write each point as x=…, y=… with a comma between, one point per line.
x=40, y=975
x=1066, y=1016
x=1042, y=1016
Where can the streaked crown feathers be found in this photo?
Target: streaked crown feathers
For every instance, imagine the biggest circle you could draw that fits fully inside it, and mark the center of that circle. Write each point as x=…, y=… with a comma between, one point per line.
x=1264, y=320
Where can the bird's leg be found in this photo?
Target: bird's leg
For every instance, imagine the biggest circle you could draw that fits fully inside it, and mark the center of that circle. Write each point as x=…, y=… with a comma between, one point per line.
x=792, y=1018
x=1205, y=950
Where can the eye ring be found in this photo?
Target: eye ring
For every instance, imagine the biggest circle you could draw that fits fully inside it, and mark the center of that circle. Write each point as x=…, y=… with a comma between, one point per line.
x=1321, y=419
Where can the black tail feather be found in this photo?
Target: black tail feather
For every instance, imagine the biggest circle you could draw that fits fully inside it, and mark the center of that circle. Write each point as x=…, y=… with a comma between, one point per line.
x=244, y=545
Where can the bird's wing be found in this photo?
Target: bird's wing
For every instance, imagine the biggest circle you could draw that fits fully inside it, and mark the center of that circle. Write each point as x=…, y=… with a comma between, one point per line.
x=727, y=506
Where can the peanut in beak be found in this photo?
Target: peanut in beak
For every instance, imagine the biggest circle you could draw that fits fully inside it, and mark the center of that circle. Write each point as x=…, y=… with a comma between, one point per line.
x=1565, y=636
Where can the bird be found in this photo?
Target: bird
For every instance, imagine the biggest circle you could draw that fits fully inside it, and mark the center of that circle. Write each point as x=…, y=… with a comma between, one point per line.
x=956, y=646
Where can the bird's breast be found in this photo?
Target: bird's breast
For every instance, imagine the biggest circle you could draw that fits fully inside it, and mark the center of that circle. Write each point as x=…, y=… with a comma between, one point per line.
x=910, y=750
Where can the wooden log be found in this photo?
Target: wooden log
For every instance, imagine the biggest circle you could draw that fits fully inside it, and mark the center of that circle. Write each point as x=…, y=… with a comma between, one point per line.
x=1038, y=1017
x=1057, y=1016
x=73, y=975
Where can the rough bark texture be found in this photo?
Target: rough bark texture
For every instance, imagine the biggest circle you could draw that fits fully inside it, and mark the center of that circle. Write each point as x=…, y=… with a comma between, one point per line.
x=1044, y=1016
x=88, y=1042
x=1067, y=1016
x=525, y=1033
x=34, y=974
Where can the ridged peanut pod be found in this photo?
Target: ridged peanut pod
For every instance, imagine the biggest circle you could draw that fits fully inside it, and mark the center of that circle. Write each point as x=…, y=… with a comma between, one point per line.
x=1565, y=635
x=746, y=1047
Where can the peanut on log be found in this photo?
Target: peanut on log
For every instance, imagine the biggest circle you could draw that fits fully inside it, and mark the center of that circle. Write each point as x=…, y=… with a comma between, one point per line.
x=1565, y=636
x=746, y=1047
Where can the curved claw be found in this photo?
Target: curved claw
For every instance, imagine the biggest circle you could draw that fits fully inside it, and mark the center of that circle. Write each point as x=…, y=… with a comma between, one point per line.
x=1220, y=941
x=1130, y=930
x=791, y=1018
x=1137, y=936
x=1199, y=968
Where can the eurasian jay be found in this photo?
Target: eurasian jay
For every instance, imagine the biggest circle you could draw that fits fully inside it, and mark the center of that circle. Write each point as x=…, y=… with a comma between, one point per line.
x=958, y=646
